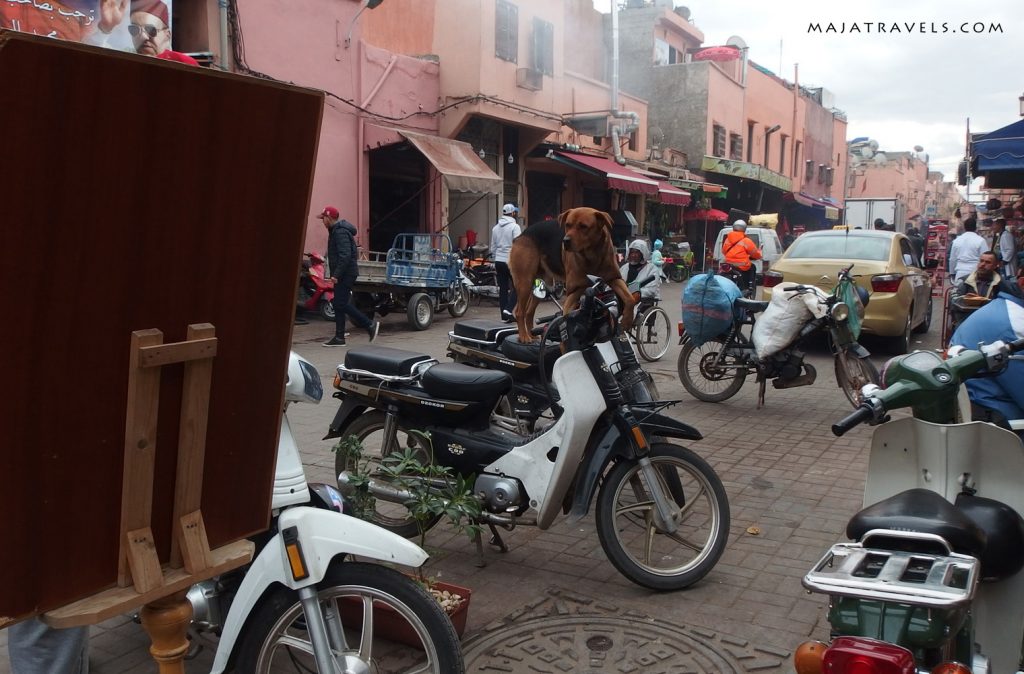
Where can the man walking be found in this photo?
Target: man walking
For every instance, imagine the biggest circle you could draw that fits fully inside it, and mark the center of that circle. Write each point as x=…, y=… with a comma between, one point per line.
x=505, y=231
x=342, y=257
x=1005, y=246
x=966, y=251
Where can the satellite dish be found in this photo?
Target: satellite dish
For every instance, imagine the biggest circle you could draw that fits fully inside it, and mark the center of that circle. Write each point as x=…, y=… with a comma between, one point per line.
x=918, y=148
x=880, y=158
x=865, y=152
x=683, y=12
x=873, y=144
x=736, y=41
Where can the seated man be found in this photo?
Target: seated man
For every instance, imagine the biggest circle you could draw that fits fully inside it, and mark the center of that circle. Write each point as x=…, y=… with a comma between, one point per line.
x=981, y=284
x=638, y=269
x=997, y=399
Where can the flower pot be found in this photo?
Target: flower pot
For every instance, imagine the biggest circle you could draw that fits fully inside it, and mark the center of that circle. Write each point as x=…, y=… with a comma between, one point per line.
x=390, y=625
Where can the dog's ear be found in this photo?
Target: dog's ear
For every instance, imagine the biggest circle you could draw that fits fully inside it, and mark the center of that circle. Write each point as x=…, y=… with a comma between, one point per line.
x=562, y=217
x=604, y=218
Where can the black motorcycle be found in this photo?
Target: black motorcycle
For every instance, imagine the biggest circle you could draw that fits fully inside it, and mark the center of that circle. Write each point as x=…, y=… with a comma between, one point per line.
x=662, y=513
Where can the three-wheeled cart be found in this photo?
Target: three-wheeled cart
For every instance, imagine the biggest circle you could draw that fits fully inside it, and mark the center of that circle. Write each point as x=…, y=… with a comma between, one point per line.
x=420, y=274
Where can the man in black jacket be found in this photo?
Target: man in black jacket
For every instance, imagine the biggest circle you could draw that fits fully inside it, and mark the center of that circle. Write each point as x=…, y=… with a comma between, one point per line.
x=342, y=258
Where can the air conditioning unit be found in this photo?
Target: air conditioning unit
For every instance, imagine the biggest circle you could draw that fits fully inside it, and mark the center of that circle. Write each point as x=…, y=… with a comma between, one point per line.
x=530, y=79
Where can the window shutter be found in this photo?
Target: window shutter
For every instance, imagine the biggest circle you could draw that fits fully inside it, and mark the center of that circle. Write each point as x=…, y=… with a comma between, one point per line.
x=506, y=31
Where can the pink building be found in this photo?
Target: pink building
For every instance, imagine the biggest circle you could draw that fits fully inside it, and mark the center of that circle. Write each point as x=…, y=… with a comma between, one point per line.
x=900, y=175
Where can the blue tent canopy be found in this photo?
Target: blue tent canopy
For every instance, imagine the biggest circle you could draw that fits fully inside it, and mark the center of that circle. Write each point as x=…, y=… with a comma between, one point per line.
x=1000, y=150
x=998, y=156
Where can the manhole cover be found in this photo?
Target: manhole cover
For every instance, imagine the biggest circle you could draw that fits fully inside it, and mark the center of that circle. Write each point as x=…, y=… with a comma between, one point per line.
x=566, y=632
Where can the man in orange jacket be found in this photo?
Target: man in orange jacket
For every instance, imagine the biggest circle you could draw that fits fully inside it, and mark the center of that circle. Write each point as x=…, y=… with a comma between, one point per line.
x=739, y=251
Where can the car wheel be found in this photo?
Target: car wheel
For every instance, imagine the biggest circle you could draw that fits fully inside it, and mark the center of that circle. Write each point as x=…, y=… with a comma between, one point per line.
x=901, y=344
x=926, y=324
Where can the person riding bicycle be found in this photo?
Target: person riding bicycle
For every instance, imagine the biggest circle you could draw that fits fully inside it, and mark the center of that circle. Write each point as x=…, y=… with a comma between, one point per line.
x=638, y=269
x=739, y=251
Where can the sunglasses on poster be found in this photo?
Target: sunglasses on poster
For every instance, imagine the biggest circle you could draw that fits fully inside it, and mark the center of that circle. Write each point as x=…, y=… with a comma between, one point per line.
x=136, y=30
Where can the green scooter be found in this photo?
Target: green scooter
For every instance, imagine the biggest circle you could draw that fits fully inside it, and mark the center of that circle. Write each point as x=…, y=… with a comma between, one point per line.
x=932, y=582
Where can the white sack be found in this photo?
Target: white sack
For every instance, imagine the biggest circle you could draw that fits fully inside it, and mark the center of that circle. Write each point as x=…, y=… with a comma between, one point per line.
x=786, y=315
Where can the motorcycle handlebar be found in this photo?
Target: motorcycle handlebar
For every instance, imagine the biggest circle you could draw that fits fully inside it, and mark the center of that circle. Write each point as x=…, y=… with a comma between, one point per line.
x=855, y=418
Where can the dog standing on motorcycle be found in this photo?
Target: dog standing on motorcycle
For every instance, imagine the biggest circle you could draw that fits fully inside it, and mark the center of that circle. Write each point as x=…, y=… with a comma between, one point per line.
x=739, y=251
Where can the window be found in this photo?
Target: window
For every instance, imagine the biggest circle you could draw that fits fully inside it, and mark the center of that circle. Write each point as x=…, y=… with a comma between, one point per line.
x=662, y=52
x=782, y=156
x=810, y=169
x=735, y=146
x=544, y=46
x=821, y=173
x=506, y=31
x=718, y=139
x=908, y=253
x=796, y=159
x=848, y=246
x=750, y=141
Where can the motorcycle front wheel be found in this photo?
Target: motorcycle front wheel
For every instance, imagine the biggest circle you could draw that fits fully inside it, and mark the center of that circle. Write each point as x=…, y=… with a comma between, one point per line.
x=355, y=600
x=630, y=536
x=852, y=373
x=368, y=428
x=703, y=378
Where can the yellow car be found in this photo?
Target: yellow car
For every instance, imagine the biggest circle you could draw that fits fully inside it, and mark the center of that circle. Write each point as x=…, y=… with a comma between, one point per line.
x=884, y=264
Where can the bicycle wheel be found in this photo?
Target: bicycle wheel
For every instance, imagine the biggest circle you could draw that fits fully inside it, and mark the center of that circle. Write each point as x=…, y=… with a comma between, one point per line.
x=653, y=334
x=356, y=599
x=705, y=379
x=628, y=530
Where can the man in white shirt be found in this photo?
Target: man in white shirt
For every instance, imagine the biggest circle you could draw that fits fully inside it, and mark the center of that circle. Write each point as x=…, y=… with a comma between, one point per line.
x=504, y=232
x=966, y=251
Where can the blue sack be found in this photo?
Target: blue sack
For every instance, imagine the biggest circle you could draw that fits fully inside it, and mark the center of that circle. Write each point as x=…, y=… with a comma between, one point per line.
x=707, y=306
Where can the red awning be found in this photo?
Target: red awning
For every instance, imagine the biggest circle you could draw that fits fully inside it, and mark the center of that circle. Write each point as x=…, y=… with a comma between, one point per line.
x=671, y=195
x=806, y=200
x=619, y=177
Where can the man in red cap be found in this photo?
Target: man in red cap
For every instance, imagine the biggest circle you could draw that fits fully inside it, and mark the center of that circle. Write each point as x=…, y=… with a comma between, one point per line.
x=342, y=258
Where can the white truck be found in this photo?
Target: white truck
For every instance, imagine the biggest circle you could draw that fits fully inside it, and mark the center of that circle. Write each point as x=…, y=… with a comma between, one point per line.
x=863, y=213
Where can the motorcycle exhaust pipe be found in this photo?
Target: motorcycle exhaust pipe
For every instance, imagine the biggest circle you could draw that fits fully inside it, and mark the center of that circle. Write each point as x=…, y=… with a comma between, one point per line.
x=378, y=489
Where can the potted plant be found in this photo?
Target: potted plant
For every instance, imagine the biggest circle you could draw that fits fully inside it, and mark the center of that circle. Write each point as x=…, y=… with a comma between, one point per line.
x=435, y=492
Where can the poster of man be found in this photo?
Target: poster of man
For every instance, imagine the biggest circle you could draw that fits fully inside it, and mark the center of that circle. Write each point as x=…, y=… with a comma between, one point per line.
x=139, y=26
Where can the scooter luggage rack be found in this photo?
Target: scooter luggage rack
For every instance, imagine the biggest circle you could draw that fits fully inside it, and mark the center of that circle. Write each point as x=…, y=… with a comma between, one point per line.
x=897, y=576
x=417, y=372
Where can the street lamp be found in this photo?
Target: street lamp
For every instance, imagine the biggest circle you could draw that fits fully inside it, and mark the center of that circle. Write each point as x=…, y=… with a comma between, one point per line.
x=1021, y=99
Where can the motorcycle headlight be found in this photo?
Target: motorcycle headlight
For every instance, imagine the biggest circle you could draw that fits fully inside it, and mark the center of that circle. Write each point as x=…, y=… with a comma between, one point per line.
x=841, y=311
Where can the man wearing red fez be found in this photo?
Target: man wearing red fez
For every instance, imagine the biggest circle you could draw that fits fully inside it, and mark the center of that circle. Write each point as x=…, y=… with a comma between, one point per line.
x=150, y=27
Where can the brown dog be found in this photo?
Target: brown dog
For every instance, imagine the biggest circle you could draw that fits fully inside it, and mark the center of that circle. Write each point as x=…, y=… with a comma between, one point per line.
x=580, y=243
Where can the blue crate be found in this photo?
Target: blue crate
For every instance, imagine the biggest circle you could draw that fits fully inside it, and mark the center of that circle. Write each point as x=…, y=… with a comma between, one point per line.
x=423, y=261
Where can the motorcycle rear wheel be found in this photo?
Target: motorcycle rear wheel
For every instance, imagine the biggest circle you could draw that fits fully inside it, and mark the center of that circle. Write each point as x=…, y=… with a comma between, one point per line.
x=275, y=636
x=369, y=430
x=701, y=378
x=852, y=373
x=630, y=537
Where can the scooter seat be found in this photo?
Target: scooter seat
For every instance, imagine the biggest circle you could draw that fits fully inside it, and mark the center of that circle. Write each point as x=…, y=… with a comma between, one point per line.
x=454, y=381
x=530, y=353
x=384, y=360
x=922, y=511
x=753, y=306
x=483, y=330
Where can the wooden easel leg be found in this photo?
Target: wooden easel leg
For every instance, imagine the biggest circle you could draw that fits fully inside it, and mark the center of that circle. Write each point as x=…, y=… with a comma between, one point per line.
x=166, y=622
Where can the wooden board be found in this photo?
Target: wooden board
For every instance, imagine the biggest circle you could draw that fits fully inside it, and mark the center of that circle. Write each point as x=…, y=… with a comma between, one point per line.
x=134, y=194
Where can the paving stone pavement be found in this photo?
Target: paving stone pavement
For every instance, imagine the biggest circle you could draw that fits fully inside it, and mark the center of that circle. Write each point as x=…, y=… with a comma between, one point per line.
x=791, y=484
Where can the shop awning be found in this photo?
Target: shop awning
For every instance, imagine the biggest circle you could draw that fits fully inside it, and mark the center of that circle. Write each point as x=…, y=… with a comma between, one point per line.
x=671, y=195
x=712, y=190
x=462, y=169
x=619, y=177
x=805, y=200
x=1000, y=150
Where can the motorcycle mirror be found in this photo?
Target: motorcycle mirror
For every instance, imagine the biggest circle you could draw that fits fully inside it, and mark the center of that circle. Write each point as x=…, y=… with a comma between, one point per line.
x=540, y=289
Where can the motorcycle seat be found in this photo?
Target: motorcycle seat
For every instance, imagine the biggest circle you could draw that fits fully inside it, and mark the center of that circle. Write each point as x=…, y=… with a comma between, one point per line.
x=384, y=360
x=753, y=306
x=922, y=511
x=512, y=348
x=454, y=381
x=484, y=330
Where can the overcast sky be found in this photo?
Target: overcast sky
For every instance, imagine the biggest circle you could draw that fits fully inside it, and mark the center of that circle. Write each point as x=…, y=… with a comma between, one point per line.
x=901, y=89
